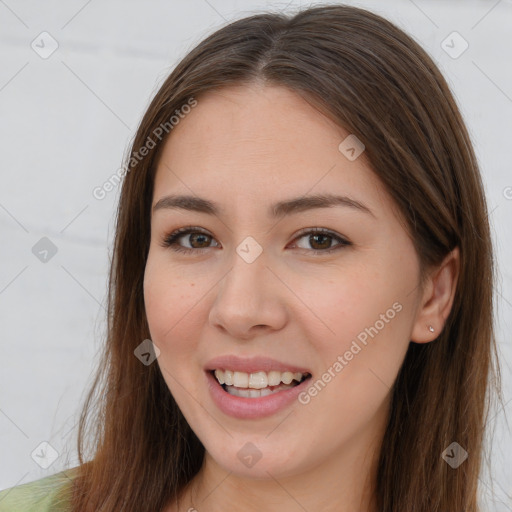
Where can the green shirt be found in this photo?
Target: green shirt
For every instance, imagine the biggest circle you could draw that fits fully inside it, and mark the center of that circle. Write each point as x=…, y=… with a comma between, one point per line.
x=48, y=494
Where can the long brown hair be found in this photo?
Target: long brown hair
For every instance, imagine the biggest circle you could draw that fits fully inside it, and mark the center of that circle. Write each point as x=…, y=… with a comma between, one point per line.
x=376, y=82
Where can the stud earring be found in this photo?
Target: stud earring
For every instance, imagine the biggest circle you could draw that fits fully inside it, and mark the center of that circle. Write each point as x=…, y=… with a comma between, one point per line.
x=430, y=328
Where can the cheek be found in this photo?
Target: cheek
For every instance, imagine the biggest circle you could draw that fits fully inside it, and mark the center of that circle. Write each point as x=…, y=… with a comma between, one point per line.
x=364, y=317
x=159, y=293
x=358, y=364
x=338, y=309
x=170, y=328
x=166, y=304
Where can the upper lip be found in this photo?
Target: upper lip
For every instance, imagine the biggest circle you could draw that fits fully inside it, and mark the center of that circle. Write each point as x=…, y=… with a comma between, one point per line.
x=251, y=364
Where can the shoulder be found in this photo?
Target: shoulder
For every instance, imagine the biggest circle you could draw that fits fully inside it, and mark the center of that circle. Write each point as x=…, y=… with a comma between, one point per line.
x=50, y=493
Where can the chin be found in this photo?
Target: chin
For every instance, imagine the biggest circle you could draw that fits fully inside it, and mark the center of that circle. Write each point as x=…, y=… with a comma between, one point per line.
x=255, y=456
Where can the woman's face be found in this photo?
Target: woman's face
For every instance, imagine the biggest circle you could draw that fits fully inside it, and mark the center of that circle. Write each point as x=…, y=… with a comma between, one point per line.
x=264, y=289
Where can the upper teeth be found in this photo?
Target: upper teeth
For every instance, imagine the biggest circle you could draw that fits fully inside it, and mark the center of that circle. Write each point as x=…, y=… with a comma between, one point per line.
x=257, y=380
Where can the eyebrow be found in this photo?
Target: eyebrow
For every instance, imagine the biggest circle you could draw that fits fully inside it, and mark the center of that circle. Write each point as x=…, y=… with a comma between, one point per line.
x=277, y=210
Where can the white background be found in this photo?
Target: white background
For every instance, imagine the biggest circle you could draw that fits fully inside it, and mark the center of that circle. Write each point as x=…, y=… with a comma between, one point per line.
x=65, y=123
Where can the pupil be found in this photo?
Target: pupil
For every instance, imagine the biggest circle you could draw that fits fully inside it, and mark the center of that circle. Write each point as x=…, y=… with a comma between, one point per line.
x=200, y=235
x=321, y=236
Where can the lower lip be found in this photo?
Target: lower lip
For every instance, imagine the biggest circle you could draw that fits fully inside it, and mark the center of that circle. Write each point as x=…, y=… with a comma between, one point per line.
x=248, y=408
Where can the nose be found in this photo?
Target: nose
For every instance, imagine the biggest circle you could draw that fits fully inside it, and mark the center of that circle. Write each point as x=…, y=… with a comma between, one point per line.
x=250, y=300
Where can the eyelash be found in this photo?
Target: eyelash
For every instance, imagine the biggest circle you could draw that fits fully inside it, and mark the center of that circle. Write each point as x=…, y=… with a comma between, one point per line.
x=171, y=240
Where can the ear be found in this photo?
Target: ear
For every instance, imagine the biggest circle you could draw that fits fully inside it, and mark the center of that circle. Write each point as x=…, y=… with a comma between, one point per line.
x=437, y=299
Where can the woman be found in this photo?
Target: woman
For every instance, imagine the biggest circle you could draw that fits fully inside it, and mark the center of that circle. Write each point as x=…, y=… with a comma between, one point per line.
x=301, y=294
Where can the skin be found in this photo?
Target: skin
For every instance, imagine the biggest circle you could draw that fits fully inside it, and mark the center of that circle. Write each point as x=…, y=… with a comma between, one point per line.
x=246, y=147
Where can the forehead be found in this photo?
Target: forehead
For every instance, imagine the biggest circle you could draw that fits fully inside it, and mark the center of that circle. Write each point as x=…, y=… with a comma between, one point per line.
x=267, y=120
x=258, y=143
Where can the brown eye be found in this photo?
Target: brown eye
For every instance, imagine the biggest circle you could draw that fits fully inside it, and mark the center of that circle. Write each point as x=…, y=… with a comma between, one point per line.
x=324, y=241
x=198, y=240
x=320, y=240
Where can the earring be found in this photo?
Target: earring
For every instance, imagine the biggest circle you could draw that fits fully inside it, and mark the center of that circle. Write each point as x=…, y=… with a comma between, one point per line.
x=430, y=328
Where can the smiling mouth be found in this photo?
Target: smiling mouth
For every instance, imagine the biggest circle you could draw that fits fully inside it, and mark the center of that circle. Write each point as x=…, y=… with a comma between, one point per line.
x=257, y=384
